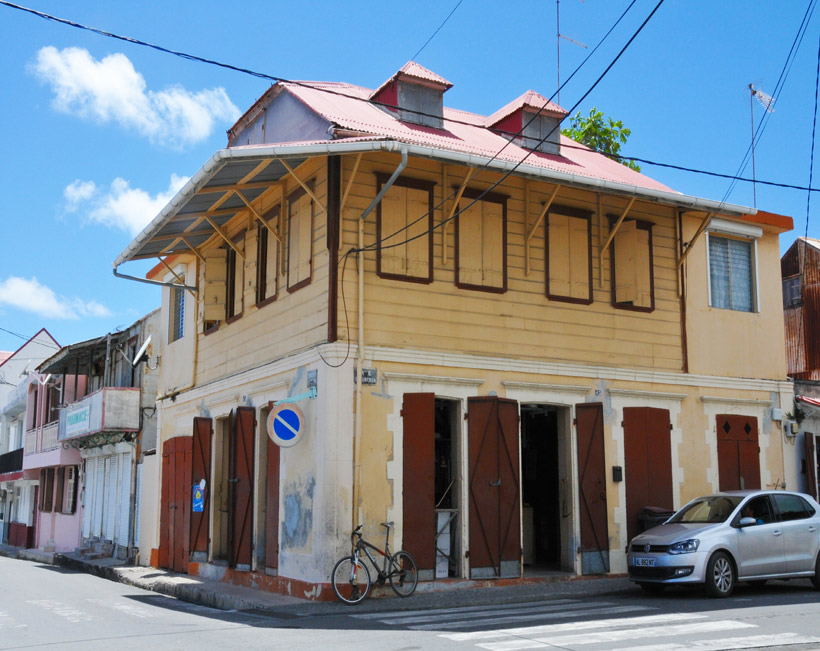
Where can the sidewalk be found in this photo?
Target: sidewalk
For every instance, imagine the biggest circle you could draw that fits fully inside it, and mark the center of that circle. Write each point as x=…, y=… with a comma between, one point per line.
x=224, y=596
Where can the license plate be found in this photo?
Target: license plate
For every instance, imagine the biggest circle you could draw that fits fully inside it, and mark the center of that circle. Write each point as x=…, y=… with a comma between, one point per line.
x=643, y=562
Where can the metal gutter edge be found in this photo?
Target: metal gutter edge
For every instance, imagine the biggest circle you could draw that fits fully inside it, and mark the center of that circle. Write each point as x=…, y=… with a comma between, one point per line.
x=329, y=148
x=148, y=281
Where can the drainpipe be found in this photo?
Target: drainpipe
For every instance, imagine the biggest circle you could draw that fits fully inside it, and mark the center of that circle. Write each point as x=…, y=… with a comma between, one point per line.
x=357, y=436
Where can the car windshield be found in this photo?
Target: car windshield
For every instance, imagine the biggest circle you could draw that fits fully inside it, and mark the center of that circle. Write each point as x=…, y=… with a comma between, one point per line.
x=714, y=508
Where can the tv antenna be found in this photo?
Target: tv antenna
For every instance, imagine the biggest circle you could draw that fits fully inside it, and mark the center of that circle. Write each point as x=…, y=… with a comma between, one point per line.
x=766, y=102
x=558, y=37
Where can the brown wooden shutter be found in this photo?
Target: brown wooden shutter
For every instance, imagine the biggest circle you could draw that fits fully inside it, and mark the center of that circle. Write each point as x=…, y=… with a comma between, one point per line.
x=76, y=488
x=648, y=463
x=592, y=484
x=175, y=504
x=58, y=501
x=418, y=478
x=48, y=502
x=243, y=421
x=163, y=553
x=624, y=249
x=811, y=464
x=42, y=496
x=201, y=469
x=738, y=452
x=272, y=506
x=495, y=519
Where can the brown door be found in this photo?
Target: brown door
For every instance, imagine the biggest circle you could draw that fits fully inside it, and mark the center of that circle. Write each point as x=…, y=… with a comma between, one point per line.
x=589, y=418
x=738, y=452
x=647, y=463
x=418, y=492
x=175, y=505
x=495, y=520
x=272, y=506
x=240, y=516
x=811, y=464
x=201, y=471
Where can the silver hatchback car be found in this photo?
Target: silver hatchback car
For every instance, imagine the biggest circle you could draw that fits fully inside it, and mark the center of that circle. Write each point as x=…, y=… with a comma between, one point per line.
x=720, y=539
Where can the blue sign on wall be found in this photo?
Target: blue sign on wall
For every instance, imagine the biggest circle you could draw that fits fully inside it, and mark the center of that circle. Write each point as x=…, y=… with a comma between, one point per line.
x=199, y=497
x=286, y=423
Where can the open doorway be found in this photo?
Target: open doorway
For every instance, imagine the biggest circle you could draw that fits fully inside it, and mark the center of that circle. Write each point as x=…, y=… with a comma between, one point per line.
x=219, y=503
x=447, y=488
x=543, y=486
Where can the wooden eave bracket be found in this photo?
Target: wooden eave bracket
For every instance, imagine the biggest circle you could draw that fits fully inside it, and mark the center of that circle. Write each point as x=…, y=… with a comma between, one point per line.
x=175, y=275
x=470, y=176
x=256, y=214
x=350, y=182
x=531, y=231
x=224, y=236
x=704, y=225
x=301, y=183
x=611, y=237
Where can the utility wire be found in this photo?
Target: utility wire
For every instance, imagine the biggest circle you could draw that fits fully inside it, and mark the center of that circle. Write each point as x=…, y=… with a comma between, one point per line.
x=444, y=22
x=813, y=131
x=41, y=343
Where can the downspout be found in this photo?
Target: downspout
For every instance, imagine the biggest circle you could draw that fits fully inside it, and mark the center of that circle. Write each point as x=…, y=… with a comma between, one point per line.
x=148, y=281
x=357, y=435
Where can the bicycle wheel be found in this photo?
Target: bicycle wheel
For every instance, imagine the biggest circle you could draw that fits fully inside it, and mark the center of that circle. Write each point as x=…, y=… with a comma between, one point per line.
x=403, y=574
x=351, y=580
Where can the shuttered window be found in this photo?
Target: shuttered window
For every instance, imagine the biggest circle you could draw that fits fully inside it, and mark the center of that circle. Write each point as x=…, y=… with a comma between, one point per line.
x=731, y=274
x=177, y=314
x=300, y=240
x=235, y=277
x=216, y=271
x=633, y=283
x=404, y=223
x=569, y=257
x=267, y=257
x=481, y=242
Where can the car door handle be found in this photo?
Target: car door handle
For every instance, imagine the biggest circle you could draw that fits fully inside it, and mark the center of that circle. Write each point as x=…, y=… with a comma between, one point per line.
x=777, y=533
x=812, y=529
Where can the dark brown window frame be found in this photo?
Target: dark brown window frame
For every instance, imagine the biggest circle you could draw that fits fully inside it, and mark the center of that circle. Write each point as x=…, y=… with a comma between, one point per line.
x=291, y=198
x=232, y=262
x=646, y=226
x=490, y=197
x=415, y=184
x=569, y=212
x=263, y=236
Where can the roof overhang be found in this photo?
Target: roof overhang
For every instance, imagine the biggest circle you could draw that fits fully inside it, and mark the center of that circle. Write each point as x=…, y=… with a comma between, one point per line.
x=69, y=357
x=234, y=177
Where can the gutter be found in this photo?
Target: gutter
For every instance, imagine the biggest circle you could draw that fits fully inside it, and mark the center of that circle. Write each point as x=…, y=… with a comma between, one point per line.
x=340, y=147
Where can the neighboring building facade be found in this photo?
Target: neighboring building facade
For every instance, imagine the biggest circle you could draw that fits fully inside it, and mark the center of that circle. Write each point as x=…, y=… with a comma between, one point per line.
x=17, y=493
x=105, y=421
x=800, y=270
x=548, y=342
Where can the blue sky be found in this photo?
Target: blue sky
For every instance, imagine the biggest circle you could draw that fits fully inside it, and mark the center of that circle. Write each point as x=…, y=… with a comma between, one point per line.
x=100, y=133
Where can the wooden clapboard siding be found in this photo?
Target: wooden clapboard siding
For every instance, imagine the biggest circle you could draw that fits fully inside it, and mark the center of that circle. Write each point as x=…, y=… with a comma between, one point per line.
x=522, y=322
x=291, y=322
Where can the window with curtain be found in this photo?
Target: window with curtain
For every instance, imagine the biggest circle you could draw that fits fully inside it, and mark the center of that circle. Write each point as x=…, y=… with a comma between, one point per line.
x=731, y=274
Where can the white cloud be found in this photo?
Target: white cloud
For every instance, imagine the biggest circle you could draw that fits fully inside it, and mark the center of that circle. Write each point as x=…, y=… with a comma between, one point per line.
x=30, y=295
x=111, y=90
x=120, y=205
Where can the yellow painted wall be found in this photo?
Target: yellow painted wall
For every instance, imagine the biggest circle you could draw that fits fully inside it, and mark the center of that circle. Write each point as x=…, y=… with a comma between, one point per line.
x=728, y=342
x=522, y=322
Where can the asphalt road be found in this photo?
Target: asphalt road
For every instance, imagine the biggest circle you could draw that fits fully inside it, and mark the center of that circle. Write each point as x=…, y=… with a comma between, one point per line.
x=43, y=606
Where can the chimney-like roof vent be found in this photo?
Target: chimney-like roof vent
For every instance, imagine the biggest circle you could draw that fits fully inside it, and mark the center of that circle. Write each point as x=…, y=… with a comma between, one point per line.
x=523, y=113
x=416, y=93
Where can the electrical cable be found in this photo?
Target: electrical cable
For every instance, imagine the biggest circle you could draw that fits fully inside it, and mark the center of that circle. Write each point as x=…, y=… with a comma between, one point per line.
x=41, y=343
x=813, y=131
x=343, y=262
x=427, y=42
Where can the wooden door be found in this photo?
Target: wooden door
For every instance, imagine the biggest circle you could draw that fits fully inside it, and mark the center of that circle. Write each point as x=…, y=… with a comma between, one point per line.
x=201, y=470
x=240, y=503
x=495, y=505
x=175, y=507
x=272, y=506
x=418, y=413
x=589, y=427
x=738, y=452
x=647, y=463
x=811, y=463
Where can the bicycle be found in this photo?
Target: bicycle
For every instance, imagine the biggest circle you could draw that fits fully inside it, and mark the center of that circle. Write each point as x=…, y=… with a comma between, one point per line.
x=351, y=578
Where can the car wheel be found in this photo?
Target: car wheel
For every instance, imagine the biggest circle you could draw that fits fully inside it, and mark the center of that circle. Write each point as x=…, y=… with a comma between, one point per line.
x=652, y=588
x=815, y=580
x=720, y=575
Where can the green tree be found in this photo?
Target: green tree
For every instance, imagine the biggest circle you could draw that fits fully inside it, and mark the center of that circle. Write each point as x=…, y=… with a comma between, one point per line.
x=600, y=133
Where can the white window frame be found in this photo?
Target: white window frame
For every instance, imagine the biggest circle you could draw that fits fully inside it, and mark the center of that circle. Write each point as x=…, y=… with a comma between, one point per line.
x=732, y=230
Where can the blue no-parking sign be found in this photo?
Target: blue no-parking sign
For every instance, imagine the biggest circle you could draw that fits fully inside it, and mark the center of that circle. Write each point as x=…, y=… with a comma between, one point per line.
x=286, y=424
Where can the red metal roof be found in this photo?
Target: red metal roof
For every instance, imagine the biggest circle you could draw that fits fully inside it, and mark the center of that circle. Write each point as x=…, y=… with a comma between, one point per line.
x=462, y=132
x=530, y=100
x=416, y=71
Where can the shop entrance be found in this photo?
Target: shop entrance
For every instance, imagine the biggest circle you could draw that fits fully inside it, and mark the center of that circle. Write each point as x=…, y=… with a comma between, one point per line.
x=542, y=488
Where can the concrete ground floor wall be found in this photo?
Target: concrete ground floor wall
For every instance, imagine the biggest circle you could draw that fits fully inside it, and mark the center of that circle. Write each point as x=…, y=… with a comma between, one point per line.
x=315, y=478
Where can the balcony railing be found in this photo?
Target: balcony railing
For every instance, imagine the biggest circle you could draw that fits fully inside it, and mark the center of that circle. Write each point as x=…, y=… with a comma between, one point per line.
x=11, y=461
x=42, y=439
x=105, y=410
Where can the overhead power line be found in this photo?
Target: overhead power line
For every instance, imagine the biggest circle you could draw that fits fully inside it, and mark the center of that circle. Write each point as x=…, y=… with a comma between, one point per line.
x=438, y=29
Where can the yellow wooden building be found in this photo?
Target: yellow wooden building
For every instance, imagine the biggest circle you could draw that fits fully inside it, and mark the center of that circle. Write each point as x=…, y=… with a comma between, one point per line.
x=547, y=342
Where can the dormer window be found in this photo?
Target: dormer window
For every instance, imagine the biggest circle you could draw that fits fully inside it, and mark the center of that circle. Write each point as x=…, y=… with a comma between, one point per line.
x=415, y=95
x=535, y=118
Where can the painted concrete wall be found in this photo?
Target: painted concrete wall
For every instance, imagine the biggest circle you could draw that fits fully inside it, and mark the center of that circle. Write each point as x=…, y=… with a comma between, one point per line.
x=149, y=507
x=59, y=532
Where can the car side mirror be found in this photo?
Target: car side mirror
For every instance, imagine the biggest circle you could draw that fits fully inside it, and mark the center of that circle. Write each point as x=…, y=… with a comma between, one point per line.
x=747, y=522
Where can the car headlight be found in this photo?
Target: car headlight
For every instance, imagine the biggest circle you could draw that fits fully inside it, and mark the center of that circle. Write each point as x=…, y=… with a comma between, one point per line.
x=684, y=546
